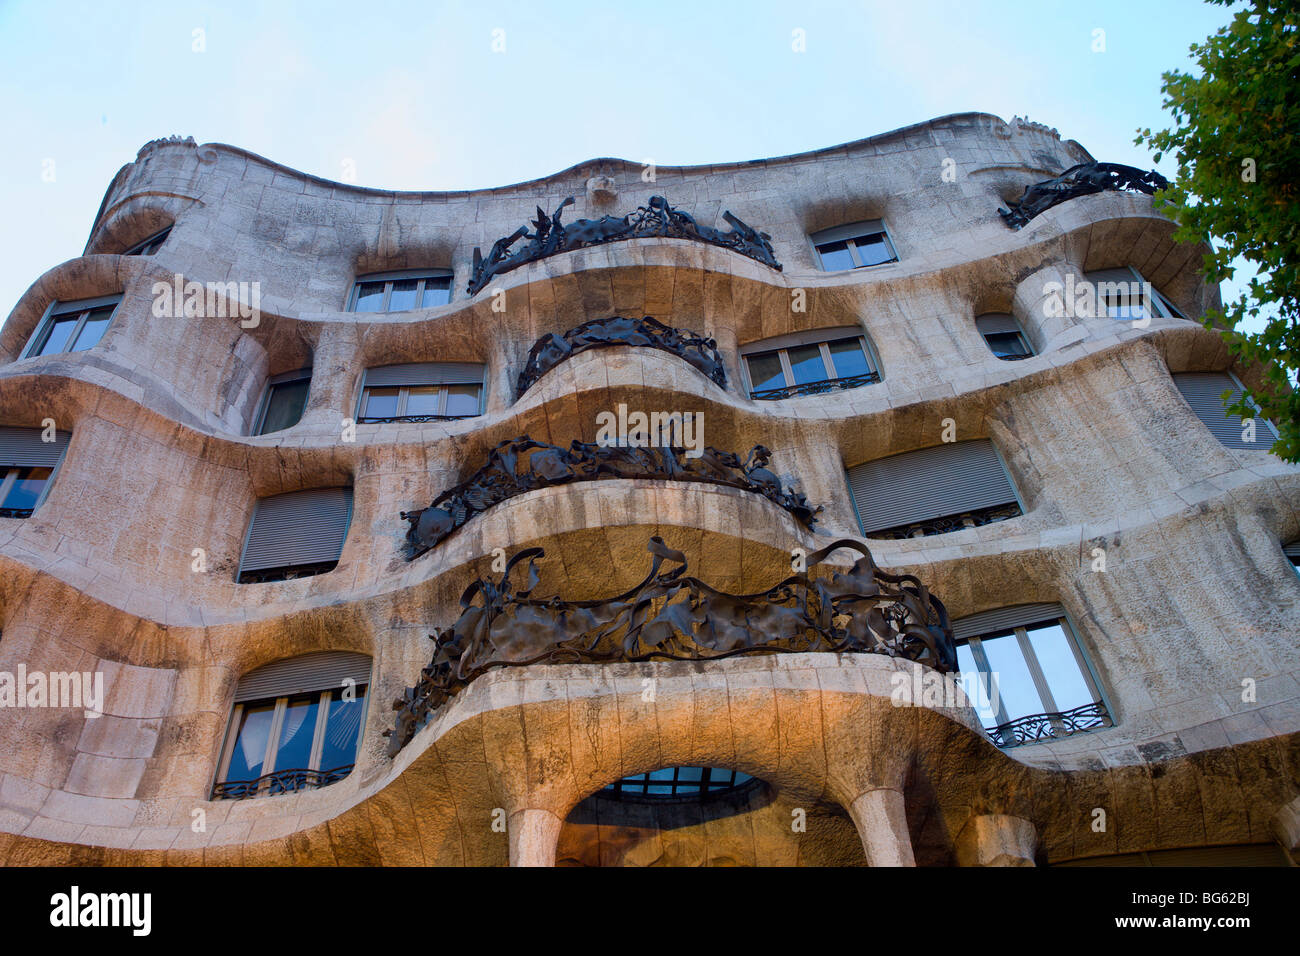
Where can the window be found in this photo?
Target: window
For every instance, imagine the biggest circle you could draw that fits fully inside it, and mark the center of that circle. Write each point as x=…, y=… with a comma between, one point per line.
x=399, y=291
x=1123, y=294
x=421, y=392
x=809, y=363
x=27, y=467
x=697, y=782
x=933, y=491
x=149, y=246
x=1003, y=335
x=854, y=246
x=1203, y=391
x=296, y=535
x=1292, y=551
x=286, y=397
x=1029, y=677
x=72, y=326
x=295, y=725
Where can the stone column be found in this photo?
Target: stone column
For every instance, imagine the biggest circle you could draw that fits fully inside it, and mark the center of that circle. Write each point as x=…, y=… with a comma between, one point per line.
x=993, y=839
x=881, y=820
x=1045, y=316
x=1286, y=827
x=336, y=367
x=534, y=835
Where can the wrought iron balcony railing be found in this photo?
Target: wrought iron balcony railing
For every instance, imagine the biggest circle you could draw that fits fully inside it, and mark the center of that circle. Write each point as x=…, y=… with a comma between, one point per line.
x=16, y=512
x=1027, y=730
x=281, y=781
x=287, y=573
x=391, y=419
x=957, y=522
x=816, y=388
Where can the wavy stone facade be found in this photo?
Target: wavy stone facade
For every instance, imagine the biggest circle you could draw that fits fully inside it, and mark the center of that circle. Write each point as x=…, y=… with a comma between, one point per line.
x=1196, y=596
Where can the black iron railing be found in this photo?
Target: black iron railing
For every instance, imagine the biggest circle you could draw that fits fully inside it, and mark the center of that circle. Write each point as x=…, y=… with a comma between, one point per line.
x=1026, y=730
x=957, y=522
x=390, y=419
x=281, y=781
x=816, y=388
x=286, y=573
x=16, y=512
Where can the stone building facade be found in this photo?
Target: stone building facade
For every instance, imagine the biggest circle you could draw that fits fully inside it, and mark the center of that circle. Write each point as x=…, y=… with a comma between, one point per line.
x=216, y=528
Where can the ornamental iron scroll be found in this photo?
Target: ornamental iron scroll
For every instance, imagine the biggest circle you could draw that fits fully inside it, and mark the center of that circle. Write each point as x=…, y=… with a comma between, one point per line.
x=551, y=349
x=670, y=616
x=1081, y=180
x=656, y=219
x=519, y=465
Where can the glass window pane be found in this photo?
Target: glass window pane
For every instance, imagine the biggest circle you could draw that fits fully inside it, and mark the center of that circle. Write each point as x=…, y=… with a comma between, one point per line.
x=342, y=728
x=977, y=687
x=250, y=742
x=835, y=256
x=370, y=297
x=848, y=358
x=689, y=774
x=765, y=371
x=1014, y=685
x=437, y=291
x=403, y=295
x=381, y=403
x=27, y=487
x=298, y=733
x=94, y=328
x=284, y=405
x=874, y=249
x=1007, y=344
x=462, y=400
x=423, y=400
x=807, y=365
x=57, y=339
x=1060, y=666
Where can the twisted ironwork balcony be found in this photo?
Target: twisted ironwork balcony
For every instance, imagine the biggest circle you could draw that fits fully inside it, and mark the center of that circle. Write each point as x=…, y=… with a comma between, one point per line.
x=281, y=781
x=287, y=572
x=671, y=616
x=16, y=512
x=1082, y=180
x=816, y=388
x=1027, y=730
x=947, y=523
x=391, y=419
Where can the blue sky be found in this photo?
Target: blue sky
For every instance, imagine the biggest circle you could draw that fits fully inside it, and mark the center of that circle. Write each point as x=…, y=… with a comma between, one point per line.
x=414, y=96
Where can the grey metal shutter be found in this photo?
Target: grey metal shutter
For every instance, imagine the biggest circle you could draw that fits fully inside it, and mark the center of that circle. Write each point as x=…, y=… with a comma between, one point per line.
x=993, y=322
x=425, y=373
x=23, y=448
x=1292, y=550
x=852, y=230
x=1202, y=391
x=999, y=619
x=929, y=483
x=1122, y=274
x=301, y=527
x=324, y=670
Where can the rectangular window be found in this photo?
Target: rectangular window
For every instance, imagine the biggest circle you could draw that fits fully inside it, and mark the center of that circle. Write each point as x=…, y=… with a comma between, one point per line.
x=933, y=491
x=401, y=291
x=72, y=326
x=286, y=397
x=1002, y=334
x=854, y=246
x=808, y=364
x=421, y=392
x=1124, y=295
x=1029, y=677
x=149, y=246
x=296, y=535
x=1292, y=551
x=1204, y=392
x=27, y=467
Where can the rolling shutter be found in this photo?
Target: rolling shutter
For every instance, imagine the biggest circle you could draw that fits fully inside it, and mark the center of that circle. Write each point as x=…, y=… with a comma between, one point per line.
x=1292, y=550
x=1202, y=391
x=853, y=230
x=23, y=448
x=1002, y=618
x=994, y=322
x=929, y=483
x=298, y=528
x=325, y=670
x=425, y=373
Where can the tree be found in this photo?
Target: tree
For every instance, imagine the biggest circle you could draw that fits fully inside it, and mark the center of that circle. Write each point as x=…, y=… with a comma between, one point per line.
x=1236, y=142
